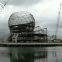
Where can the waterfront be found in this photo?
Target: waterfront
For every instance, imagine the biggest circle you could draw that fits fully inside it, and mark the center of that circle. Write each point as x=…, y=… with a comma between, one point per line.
x=54, y=54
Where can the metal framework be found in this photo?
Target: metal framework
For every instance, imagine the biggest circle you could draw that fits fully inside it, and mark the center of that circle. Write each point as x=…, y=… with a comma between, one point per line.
x=57, y=26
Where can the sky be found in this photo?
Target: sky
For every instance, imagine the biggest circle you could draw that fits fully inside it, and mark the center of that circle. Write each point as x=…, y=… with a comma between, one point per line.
x=45, y=13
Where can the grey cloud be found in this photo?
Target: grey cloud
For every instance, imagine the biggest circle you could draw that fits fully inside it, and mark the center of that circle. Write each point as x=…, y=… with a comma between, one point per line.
x=23, y=2
x=3, y=32
x=3, y=29
x=53, y=25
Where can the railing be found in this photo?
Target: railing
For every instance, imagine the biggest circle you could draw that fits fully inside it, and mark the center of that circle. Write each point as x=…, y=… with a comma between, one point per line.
x=30, y=44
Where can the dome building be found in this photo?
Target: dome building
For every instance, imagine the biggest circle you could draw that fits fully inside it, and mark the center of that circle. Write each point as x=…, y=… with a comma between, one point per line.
x=21, y=21
x=22, y=28
x=21, y=24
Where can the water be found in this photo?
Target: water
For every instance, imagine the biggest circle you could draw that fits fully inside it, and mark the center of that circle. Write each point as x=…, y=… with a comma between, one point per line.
x=54, y=54
x=4, y=57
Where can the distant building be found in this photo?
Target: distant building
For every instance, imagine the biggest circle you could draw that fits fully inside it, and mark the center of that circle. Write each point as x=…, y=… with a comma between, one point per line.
x=21, y=25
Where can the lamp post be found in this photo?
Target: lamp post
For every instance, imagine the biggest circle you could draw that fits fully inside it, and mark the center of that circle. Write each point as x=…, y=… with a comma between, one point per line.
x=46, y=34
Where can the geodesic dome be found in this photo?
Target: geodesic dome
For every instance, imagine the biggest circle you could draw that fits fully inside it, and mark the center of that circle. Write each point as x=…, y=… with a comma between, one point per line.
x=21, y=18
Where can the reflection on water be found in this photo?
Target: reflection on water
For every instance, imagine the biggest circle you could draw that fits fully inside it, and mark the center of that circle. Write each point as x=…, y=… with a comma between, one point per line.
x=4, y=57
x=19, y=54
x=27, y=54
x=50, y=54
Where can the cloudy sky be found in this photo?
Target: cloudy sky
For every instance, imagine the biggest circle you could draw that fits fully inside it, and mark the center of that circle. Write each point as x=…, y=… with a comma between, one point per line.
x=45, y=13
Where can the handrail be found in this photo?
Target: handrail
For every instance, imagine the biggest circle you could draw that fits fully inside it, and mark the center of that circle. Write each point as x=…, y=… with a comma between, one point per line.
x=30, y=44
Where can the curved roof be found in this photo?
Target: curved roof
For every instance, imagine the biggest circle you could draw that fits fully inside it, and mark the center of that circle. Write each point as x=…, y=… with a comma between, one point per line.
x=22, y=17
